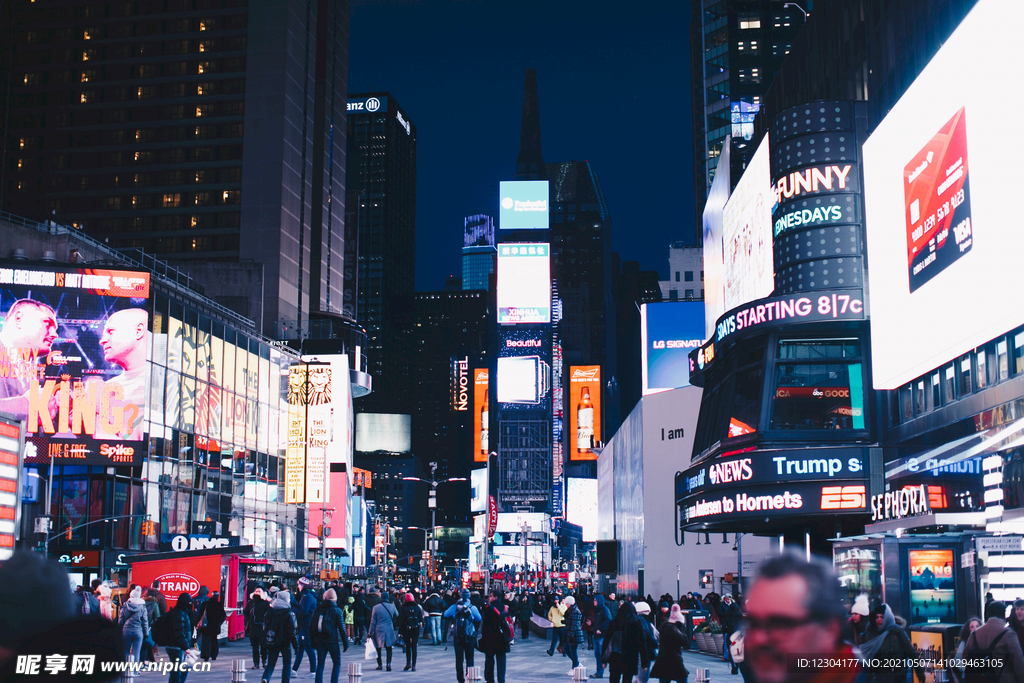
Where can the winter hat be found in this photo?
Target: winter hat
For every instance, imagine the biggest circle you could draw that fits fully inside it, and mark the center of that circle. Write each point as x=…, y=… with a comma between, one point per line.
x=409, y=597
x=569, y=601
x=34, y=596
x=283, y=595
x=136, y=593
x=331, y=595
x=676, y=615
x=860, y=605
x=274, y=590
x=464, y=594
x=642, y=608
x=303, y=582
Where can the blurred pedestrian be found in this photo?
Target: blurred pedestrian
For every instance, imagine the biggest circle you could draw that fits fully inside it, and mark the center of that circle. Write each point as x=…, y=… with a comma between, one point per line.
x=327, y=630
x=556, y=614
x=280, y=635
x=495, y=639
x=382, y=629
x=255, y=619
x=573, y=629
x=134, y=621
x=211, y=616
x=181, y=635
x=668, y=666
x=625, y=647
x=307, y=604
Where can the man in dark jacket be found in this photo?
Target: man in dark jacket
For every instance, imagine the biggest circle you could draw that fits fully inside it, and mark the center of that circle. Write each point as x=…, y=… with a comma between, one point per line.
x=181, y=635
x=1007, y=649
x=466, y=642
x=154, y=590
x=731, y=617
x=573, y=629
x=328, y=635
x=211, y=617
x=280, y=635
x=85, y=602
x=255, y=619
x=524, y=613
x=361, y=615
x=494, y=637
x=599, y=622
x=434, y=607
x=304, y=612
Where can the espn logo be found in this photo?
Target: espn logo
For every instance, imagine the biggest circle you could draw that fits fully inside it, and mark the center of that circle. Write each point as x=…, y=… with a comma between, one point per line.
x=844, y=497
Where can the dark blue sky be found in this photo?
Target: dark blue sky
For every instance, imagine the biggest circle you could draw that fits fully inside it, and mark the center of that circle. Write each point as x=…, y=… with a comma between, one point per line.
x=614, y=89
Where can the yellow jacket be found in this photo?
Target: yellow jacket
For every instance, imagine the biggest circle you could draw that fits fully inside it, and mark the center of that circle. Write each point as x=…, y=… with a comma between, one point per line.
x=555, y=615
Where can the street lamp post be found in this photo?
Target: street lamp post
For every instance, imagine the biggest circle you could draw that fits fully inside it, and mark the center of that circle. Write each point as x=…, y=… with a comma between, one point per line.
x=432, y=504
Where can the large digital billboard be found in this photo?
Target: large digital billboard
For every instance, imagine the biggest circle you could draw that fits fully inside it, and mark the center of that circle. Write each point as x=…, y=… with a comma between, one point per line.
x=481, y=414
x=524, y=283
x=668, y=332
x=934, y=281
x=478, y=483
x=74, y=361
x=11, y=446
x=584, y=411
x=524, y=369
x=714, y=253
x=582, y=506
x=386, y=432
x=524, y=205
x=747, y=233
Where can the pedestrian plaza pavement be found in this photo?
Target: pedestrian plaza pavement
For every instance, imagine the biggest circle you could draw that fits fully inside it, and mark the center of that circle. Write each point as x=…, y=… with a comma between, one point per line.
x=528, y=662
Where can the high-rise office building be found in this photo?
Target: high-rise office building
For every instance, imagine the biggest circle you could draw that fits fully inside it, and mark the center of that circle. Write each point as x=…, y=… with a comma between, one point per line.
x=736, y=47
x=479, y=254
x=382, y=144
x=196, y=130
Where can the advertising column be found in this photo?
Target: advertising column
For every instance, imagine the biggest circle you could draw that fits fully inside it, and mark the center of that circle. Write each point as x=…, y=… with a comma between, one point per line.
x=12, y=442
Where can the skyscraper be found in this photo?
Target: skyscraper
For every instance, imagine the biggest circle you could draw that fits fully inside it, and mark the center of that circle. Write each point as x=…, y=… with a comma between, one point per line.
x=195, y=130
x=478, y=252
x=736, y=48
x=382, y=142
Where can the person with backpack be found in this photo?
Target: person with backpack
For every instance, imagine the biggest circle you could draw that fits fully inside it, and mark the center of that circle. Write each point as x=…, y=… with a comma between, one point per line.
x=886, y=641
x=382, y=629
x=154, y=590
x=280, y=635
x=211, y=616
x=255, y=615
x=85, y=601
x=176, y=636
x=304, y=612
x=466, y=619
x=152, y=613
x=995, y=642
x=327, y=631
x=410, y=619
x=573, y=629
x=134, y=622
x=495, y=636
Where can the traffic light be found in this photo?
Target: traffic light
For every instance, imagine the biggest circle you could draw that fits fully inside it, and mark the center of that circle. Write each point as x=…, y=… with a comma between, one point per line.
x=148, y=528
x=67, y=534
x=707, y=579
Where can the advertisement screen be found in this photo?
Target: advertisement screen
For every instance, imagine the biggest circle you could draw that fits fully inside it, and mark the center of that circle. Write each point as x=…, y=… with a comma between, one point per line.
x=383, y=432
x=524, y=283
x=935, y=169
x=584, y=411
x=524, y=205
x=478, y=483
x=10, y=478
x=460, y=384
x=582, y=506
x=179, y=575
x=524, y=369
x=931, y=587
x=747, y=233
x=481, y=414
x=74, y=361
x=668, y=332
x=714, y=235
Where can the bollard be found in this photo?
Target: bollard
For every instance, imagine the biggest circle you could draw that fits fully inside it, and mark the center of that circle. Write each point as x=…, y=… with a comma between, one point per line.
x=237, y=671
x=940, y=676
x=579, y=673
x=355, y=672
x=703, y=675
x=474, y=673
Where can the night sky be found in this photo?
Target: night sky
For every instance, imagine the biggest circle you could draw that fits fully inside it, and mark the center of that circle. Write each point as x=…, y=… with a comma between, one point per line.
x=614, y=89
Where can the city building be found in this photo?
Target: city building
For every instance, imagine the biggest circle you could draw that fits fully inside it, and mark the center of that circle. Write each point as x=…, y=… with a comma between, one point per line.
x=736, y=48
x=198, y=132
x=479, y=253
x=685, y=273
x=382, y=159
x=633, y=289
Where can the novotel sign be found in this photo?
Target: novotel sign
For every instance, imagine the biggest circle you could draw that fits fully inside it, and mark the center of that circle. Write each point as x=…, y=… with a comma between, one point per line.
x=460, y=379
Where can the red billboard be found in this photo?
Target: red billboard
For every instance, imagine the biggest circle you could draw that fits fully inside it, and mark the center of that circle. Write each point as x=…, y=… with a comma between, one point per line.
x=584, y=411
x=177, y=576
x=481, y=414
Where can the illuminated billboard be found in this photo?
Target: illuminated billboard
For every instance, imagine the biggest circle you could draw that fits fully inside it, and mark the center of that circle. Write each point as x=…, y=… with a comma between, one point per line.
x=524, y=205
x=383, y=432
x=582, y=506
x=11, y=446
x=714, y=251
x=460, y=384
x=74, y=362
x=295, y=452
x=481, y=414
x=524, y=369
x=584, y=411
x=934, y=170
x=747, y=233
x=668, y=332
x=478, y=482
x=524, y=283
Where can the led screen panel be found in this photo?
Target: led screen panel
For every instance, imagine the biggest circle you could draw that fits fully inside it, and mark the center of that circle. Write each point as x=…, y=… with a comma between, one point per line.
x=481, y=414
x=939, y=179
x=582, y=506
x=524, y=368
x=668, y=332
x=74, y=362
x=478, y=483
x=383, y=432
x=747, y=233
x=714, y=254
x=584, y=411
x=524, y=283
x=524, y=205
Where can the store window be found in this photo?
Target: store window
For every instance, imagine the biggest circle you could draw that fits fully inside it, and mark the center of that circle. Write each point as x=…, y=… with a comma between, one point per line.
x=819, y=385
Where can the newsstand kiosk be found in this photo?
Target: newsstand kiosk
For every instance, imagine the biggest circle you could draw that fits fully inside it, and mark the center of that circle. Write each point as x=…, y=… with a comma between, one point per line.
x=219, y=569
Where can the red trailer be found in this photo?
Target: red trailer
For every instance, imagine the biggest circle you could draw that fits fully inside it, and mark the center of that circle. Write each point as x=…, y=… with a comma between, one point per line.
x=219, y=569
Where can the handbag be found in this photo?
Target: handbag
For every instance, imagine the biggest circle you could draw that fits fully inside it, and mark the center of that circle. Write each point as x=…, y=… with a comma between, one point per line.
x=371, y=650
x=612, y=648
x=191, y=656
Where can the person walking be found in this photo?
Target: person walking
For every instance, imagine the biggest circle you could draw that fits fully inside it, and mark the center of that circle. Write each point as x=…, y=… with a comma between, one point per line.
x=668, y=666
x=732, y=616
x=154, y=590
x=280, y=635
x=134, y=621
x=360, y=616
x=434, y=607
x=211, y=616
x=524, y=613
x=85, y=601
x=349, y=613
x=888, y=642
x=152, y=614
x=495, y=637
x=303, y=613
x=255, y=615
x=327, y=631
x=382, y=629
x=573, y=630
x=556, y=614
x=181, y=635
x=410, y=619
x=466, y=620
x=600, y=619
x=625, y=647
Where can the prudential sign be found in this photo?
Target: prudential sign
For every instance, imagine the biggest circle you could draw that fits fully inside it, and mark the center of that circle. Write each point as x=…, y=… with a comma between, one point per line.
x=524, y=205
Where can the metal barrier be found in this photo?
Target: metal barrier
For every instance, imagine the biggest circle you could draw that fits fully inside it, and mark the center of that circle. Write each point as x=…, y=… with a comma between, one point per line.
x=237, y=671
x=474, y=673
x=579, y=673
x=703, y=675
x=355, y=671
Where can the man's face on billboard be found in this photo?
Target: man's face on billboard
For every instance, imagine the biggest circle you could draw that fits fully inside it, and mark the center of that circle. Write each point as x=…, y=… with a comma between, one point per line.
x=122, y=334
x=34, y=326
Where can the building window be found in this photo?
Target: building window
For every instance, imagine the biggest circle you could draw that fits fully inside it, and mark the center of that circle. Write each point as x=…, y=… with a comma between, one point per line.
x=819, y=385
x=702, y=276
x=673, y=295
x=749, y=22
x=689, y=276
x=689, y=294
x=677, y=273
